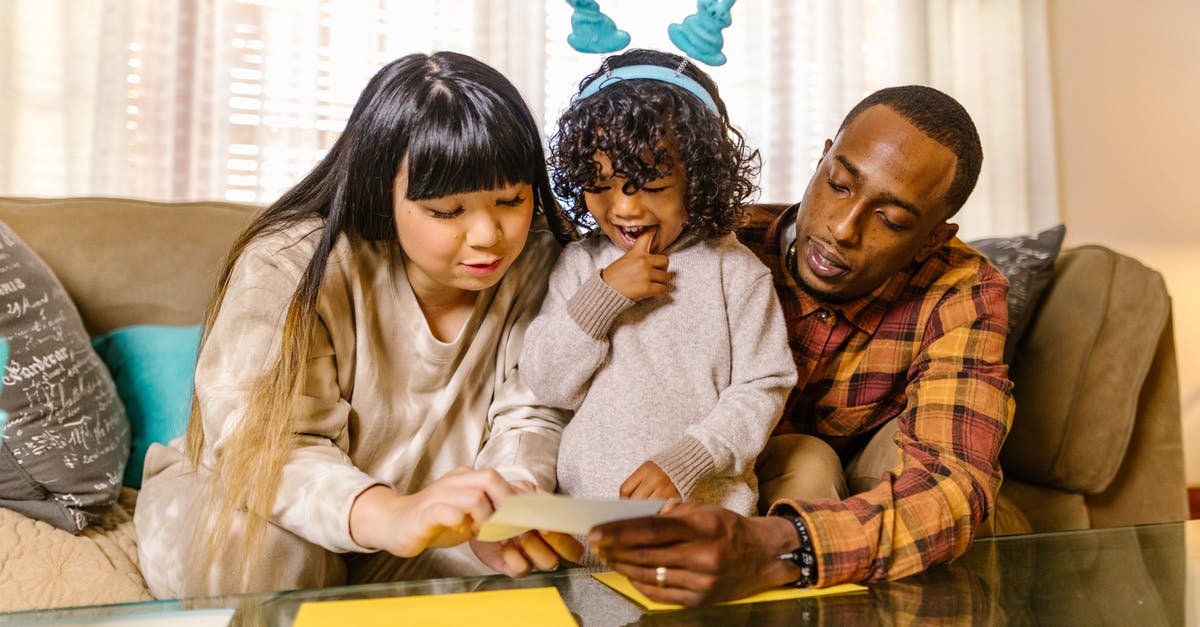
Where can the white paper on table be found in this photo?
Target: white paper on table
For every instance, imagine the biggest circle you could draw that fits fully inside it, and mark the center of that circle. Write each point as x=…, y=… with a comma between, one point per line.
x=555, y=512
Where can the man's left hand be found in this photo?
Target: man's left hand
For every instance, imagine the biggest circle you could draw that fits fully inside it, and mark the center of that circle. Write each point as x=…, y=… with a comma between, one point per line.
x=698, y=554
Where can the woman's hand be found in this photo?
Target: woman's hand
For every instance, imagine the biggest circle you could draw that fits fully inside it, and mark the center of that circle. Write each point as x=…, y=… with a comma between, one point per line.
x=540, y=550
x=445, y=513
x=639, y=274
x=649, y=482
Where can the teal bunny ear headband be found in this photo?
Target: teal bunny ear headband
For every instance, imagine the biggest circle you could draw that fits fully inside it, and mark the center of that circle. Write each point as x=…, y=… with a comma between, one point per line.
x=652, y=72
x=699, y=36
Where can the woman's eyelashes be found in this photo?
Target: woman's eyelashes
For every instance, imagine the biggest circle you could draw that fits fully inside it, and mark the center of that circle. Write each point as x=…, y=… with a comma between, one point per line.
x=515, y=201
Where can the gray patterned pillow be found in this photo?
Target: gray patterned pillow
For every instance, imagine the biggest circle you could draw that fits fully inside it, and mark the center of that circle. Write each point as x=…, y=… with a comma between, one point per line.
x=1028, y=263
x=67, y=437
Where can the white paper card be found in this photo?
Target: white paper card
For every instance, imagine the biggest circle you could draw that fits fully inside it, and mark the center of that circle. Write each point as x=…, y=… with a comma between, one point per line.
x=555, y=512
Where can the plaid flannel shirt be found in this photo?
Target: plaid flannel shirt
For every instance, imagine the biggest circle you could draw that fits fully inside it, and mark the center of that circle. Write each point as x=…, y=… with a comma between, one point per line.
x=925, y=348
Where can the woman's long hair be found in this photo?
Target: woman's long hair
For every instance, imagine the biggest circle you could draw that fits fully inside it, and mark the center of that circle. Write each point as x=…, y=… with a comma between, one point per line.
x=461, y=127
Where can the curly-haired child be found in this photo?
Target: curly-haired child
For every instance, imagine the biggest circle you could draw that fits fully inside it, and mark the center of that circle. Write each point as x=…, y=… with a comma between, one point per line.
x=660, y=330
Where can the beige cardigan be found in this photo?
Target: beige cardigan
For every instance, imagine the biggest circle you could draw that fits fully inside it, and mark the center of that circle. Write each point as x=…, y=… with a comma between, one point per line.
x=384, y=401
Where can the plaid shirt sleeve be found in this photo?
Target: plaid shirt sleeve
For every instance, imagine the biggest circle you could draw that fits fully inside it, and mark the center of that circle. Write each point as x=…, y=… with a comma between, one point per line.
x=957, y=410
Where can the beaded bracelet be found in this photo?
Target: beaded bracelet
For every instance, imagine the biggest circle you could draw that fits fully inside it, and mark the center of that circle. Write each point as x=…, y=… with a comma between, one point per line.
x=805, y=557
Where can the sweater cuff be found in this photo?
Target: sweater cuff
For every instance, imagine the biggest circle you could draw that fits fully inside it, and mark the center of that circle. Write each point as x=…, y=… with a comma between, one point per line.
x=686, y=464
x=595, y=306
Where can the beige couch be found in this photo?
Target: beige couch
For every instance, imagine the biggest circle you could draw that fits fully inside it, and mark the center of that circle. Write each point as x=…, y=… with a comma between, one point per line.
x=1096, y=439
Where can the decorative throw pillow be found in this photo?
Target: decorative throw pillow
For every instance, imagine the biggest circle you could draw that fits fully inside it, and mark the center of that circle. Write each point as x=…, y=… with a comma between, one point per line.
x=67, y=437
x=1028, y=263
x=153, y=367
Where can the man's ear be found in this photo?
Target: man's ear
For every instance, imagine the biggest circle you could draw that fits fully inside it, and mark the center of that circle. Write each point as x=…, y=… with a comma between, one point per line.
x=941, y=234
x=825, y=150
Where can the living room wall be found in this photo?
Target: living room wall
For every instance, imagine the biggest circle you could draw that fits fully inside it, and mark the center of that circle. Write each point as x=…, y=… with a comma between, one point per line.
x=1127, y=98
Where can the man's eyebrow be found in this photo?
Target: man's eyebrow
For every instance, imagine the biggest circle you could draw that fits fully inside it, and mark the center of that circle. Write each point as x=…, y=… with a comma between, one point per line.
x=849, y=166
x=903, y=204
x=887, y=198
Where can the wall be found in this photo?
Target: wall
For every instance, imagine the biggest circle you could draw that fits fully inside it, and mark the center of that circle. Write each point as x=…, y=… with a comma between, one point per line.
x=1126, y=81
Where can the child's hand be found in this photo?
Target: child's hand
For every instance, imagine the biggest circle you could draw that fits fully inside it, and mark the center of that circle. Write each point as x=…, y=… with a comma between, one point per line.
x=639, y=274
x=649, y=482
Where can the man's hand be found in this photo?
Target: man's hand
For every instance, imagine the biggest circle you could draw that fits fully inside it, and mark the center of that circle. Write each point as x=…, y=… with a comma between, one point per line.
x=649, y=482
x=638, y=274
x=709, y=553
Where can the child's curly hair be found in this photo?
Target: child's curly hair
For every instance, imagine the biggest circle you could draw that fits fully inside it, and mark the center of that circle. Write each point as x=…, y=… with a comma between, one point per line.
x=643, y=126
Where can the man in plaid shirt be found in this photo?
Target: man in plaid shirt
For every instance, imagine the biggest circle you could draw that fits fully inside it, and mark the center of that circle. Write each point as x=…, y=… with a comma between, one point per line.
x=885, y=461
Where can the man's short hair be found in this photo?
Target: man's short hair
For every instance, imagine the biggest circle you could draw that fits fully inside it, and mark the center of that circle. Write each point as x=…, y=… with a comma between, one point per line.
x=943, y=120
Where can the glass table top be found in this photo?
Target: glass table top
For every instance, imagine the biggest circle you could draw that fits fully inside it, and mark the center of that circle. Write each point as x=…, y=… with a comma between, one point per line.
x=1143, y=575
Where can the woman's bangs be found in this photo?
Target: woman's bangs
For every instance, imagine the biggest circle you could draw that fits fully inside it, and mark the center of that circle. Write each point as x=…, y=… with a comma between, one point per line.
x=468, y=146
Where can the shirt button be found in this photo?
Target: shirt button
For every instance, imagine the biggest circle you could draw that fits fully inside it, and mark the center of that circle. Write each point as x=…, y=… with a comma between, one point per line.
x=825, y=316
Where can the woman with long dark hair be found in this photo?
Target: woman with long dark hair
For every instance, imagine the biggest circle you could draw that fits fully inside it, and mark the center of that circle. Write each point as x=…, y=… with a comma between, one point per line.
x=358, y=409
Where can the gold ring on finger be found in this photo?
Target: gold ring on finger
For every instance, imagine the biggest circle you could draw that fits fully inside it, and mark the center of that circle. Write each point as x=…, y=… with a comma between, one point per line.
x=660, y=576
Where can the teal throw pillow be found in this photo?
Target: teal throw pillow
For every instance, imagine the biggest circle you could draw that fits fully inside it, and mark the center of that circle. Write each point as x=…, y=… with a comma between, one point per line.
x=153, y=367
x=3, y=366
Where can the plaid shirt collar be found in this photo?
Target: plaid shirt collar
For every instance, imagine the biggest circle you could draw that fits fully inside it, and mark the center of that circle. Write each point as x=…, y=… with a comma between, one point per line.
x=864, y=312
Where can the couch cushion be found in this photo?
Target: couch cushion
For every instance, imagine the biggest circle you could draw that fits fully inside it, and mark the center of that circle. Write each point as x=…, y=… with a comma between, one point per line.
x=1047, y=509
x=1079, y=369
x=127, y=262
x=153, y=367
x=1028, y=264
x=67, y=437
x=45, y=567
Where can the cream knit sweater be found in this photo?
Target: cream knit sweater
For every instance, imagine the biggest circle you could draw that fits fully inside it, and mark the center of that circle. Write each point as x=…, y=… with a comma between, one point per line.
x=693, y=381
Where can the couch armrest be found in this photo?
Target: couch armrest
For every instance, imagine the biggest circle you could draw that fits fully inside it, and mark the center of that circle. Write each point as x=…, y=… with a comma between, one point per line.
x=1151, y=485
x=1079, y=370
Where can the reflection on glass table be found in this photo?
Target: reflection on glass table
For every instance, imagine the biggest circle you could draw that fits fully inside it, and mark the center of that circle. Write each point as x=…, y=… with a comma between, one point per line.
x=1145, y=575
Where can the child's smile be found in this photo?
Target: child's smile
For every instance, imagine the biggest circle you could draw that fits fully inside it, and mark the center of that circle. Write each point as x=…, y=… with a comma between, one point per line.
x=629, y=235
x=659, y=205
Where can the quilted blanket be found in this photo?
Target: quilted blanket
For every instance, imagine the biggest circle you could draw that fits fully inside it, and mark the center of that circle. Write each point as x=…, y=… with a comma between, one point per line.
x=44, y=567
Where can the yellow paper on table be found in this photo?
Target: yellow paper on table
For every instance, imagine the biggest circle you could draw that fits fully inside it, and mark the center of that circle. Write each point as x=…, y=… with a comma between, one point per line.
x=521, y=607
x=621, y=584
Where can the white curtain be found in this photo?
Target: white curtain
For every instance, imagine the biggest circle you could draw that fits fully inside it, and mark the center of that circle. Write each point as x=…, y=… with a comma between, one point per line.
x=236, y=99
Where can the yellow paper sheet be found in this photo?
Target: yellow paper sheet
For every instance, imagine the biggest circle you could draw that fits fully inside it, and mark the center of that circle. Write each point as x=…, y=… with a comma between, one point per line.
x=621, y=584
x=522, y=607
